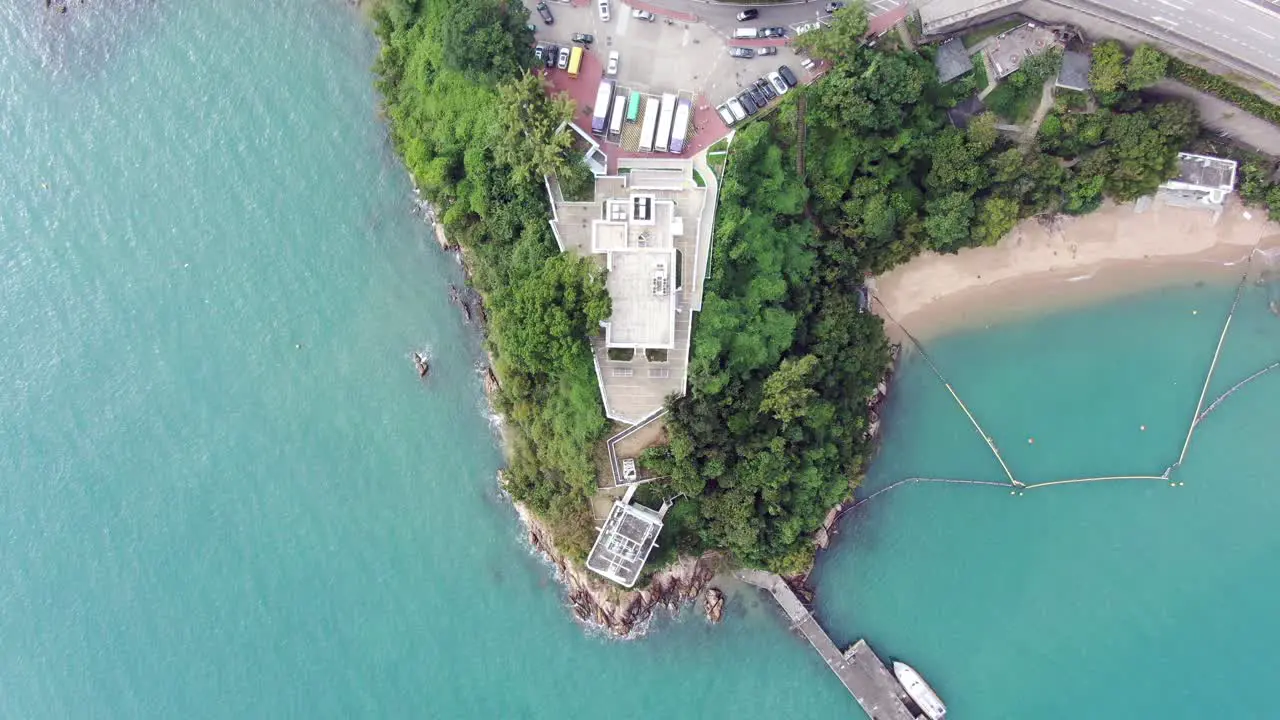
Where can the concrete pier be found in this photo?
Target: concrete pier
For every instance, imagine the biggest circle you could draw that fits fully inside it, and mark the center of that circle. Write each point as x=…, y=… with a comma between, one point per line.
x=863, y=674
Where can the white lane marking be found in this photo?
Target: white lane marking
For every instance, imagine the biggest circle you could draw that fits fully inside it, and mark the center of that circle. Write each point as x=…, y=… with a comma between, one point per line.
x=1269, y=37
x=1259, y=8
x=1179, y=8
x=1157, y=18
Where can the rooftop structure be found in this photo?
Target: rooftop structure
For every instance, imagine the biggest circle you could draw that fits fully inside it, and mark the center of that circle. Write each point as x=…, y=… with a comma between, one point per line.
x=938, y=16
x=952, y=60
x=961, y=114
x=623, y=545
x=651, y=228
x=1204, y=179
x=1010, y=48
x=1074, y=74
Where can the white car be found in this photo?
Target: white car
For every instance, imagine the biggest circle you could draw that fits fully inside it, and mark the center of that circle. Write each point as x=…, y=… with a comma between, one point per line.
x=643, y=15
x=726, y=115
x=779, y=85
x=612, y=68
x=604, y=10
x=735, y=107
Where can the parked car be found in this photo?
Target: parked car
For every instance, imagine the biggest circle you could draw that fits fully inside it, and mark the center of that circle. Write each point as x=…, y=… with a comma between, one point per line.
x=735, y=107
x=748, y=14
x=549, y=56
x=767, y=50
x=747, y=33
x=741, y=52
x=772, y=32
x=612, y=68
x=757, y=97
x=808, y=64
x=803, y=28
x=563, y=61
x=584, y=38
x=725, y=115
x=833, y=6
x=788, y=76
x=763, y=86
x=539, y=52
x=639, y=14
x=778, y=83
x=545, y=12
x=748, y=104
x=604, y=10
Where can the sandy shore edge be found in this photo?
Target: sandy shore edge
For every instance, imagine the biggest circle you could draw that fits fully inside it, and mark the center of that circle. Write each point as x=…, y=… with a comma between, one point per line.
x=1069, y=262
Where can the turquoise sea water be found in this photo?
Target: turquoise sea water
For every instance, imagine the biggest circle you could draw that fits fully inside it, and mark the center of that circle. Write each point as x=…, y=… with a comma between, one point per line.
x=223, y=493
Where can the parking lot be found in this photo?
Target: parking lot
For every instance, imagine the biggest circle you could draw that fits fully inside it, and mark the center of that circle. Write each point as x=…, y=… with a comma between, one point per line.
x=684, y=50
x=671, y=54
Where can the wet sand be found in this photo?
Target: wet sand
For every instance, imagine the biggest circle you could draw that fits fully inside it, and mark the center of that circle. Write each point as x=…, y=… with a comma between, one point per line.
x=1073, y=261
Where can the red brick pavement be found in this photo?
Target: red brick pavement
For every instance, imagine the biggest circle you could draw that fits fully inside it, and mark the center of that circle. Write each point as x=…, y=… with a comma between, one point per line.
x=878, y=24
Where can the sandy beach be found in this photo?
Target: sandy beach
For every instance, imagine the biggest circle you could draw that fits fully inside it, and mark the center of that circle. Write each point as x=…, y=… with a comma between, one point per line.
x=1069, y=262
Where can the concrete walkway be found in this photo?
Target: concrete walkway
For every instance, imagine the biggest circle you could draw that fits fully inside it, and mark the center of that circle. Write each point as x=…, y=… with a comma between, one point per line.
x=706, y=226
x=1046, y=104
x=1225, y=118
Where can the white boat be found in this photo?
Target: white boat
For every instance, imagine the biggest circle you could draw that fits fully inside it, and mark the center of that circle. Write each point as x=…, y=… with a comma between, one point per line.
x=919, y=690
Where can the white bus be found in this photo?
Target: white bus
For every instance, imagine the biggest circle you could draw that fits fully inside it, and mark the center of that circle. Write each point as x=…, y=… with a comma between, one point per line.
x=649, y=124
x=680, y=129
x=665, y=117
x=619, y=112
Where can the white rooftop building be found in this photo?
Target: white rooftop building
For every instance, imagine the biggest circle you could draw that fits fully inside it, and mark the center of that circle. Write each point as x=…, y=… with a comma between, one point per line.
x=1202, y=179
x=624, y=543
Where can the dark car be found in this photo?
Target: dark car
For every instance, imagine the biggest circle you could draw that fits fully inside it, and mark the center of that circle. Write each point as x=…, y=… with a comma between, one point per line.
x=770, y=50
x=772, y=32
x=787, y=76
x=747, y=103
x=763, y=86
x=757, y=97
x=584, y=38
x=545, y=12
x=748, y=14
x=549, y=56
x=833, y=6
x=741, y=52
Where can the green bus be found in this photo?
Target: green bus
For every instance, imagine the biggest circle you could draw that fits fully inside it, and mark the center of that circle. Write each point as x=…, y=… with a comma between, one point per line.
x=633, y=106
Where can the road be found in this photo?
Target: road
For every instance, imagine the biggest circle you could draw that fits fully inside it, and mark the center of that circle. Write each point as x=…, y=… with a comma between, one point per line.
x=1246, y=31
x=723, y=16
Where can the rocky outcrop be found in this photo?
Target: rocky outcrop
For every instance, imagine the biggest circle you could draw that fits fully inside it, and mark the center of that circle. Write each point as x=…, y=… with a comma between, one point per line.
x=490, y=382
x=713, y=604
x=619, y=612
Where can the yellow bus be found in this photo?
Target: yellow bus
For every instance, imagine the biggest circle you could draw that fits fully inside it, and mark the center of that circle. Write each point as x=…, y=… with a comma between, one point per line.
x=575, y=61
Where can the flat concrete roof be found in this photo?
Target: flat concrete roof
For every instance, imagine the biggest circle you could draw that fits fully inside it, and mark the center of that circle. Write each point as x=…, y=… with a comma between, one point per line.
x=642, y=286
x=624, y=543
x=1206, y=172
x=1074, y=74
x=952, y=60
x=1009, y=49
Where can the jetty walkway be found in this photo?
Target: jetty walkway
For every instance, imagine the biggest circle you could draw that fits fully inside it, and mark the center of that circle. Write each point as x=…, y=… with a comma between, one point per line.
x=859, y=668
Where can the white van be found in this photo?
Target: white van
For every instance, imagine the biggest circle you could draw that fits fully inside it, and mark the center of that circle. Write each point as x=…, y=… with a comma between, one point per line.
x=725, y=115
x=746, y=33
x=604, y=10
x=735, y=107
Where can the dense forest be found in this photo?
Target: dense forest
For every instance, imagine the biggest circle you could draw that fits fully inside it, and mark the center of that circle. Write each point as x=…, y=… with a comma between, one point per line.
x=478, y=132
x=773, y=429
x=772, y=432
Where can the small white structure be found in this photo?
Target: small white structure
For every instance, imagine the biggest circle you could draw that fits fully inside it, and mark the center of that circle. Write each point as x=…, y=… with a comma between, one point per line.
x=623, y=545
x=1202, y=179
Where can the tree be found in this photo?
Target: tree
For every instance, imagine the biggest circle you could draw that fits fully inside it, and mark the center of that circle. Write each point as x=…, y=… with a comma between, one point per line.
x=787, y=395
x=545, y=318
x=947, y=222
x=532, y=139
x=1146, y=67
x=996, y=217
x=1107, y=73
x=839, y=38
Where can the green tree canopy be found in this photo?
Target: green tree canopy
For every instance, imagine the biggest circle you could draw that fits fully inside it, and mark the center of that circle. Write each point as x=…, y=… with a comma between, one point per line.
x=1146, y=67
x=845, y=32
x=1107, y=73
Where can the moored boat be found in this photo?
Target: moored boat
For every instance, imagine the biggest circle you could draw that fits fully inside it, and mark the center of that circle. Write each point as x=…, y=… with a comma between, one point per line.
x=928, y=701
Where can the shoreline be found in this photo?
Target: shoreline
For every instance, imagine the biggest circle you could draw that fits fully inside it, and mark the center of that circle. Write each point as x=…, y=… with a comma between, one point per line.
x=1069, y=262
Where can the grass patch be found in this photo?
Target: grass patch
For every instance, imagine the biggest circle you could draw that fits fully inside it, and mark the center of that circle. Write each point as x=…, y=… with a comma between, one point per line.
x=697, y=178
x=1013, y=103
x=721, y=145
x=622, y=354
x=973, y=37
x=655, y=355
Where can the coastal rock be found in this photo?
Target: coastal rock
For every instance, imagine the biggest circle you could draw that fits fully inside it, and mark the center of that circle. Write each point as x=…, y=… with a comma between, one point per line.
x=490, y=382
x=714, y=605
